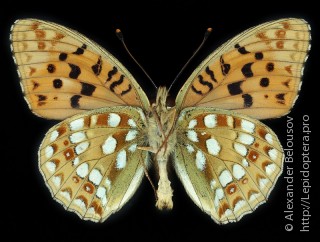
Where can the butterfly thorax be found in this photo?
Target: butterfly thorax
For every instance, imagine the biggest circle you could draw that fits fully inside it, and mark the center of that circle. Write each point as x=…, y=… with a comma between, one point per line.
x=162, y=139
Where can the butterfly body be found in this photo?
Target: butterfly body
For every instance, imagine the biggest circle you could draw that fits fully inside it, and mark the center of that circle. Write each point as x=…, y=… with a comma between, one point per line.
x=162, y=140
x=95, y=158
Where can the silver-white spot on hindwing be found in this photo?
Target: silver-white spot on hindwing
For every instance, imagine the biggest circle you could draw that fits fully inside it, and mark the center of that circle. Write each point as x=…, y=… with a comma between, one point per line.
x=189, y=148
x=225, y=178
x=273, y=154
x=54, y=135
x=113, y=119
x=239, y=205
x=131, y=135
x=270, y=169
x=213, y=146
x=66, y=194
x=245, y=139
x=49, y=151
x=192, y=123
x=77, y=137
x=263, y=183
x=101, y=193
x=82, y=147
x=269, y=138
x=218, y=195
x=121, y=159
x=95, y=177
x=77, y=124
x=192, y=135
x=109, y=145
x=240, y=149
x=51, y=166
x=200, y=160
x=210, y=120
x=247, y=126
x=83, y=170
x=238, y=171
x=132, y=123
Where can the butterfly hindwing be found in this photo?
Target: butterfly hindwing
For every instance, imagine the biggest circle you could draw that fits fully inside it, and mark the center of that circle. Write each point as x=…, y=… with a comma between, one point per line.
x=91, y=161
x=64, y=73
x=227, y=162
x=257, y=73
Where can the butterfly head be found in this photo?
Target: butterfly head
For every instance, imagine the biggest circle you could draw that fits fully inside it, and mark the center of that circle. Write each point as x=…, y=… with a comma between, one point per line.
x=161, y=99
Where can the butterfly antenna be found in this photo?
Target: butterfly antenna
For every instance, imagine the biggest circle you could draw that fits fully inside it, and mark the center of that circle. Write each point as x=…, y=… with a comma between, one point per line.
x=120, y=37
x=205, y=37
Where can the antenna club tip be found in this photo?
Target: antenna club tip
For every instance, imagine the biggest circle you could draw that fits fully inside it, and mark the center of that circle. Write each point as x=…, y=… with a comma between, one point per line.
x=207, y=33
x=119, y=34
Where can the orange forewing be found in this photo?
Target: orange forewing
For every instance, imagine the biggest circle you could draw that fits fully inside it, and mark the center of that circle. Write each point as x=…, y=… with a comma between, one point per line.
x=257, y=73
x=64, y=73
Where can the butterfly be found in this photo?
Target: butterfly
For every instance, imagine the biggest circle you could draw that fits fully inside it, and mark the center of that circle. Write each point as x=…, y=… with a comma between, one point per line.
x=94, y=159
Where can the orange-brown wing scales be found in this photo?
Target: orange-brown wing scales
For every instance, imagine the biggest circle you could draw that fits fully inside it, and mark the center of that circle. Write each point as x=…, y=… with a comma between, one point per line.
x=91, y=163
x=228, y=162
x=56, y=61
x=247, y=72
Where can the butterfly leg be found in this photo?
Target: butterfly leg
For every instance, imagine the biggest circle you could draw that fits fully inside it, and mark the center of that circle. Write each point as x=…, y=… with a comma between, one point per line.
x=147, y=148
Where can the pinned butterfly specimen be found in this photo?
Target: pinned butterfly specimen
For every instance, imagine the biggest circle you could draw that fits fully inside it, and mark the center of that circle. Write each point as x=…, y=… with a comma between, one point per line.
x=95, y=158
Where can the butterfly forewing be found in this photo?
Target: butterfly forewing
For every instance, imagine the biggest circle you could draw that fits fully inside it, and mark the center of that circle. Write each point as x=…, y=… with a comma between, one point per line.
x=257, y=73
x=91, y=162
x=64, y=73
x=227, y=162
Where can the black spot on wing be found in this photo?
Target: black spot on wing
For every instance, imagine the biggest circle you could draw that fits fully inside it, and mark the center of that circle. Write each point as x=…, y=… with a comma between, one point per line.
x=258, y=55
x=74, y=101
x=211, y=74
x=75, y=71
x=246, y=70
x=247, y=100
x=126, y=91
x=196, y=91
x=35, y=85
x=270, y=67
x=241, y=50
x=116, y=83
x=280, y=97
x=41, y=98
x=205, y=83
x=225, y=68
x=57, y=83
x=63, y=56
x=286, y=83
x=80, y=50
x=87, y=89
x=264, y=82
x=96, y=68
x=51, y=68
x=112, y=73
x=235, y=88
